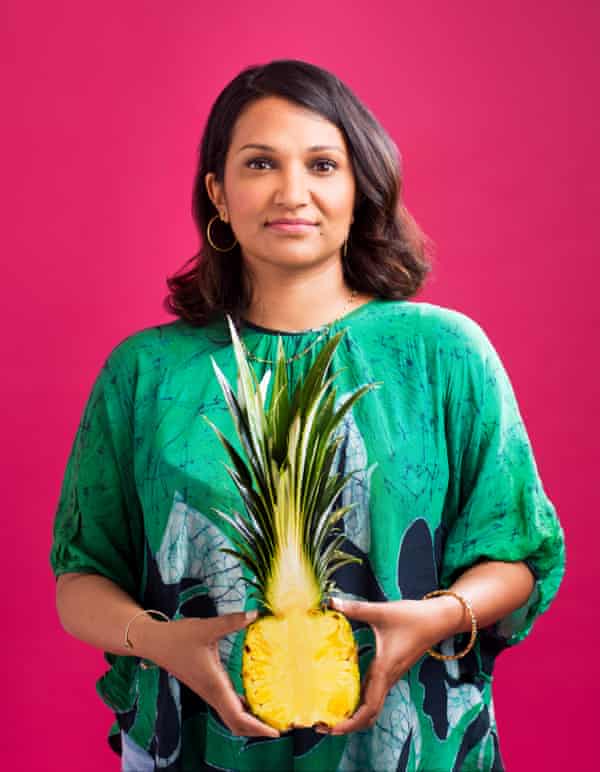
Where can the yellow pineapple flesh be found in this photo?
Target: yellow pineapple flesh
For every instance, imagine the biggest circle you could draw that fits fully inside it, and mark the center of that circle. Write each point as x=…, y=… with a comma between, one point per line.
x=301, y=669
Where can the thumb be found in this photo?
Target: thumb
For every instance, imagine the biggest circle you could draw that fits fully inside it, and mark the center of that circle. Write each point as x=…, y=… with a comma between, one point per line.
x=230, y=623
x=364, y=611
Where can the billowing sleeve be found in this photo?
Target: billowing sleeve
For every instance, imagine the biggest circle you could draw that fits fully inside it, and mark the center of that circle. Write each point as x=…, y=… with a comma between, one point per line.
x=98, y=523
x=497, y=508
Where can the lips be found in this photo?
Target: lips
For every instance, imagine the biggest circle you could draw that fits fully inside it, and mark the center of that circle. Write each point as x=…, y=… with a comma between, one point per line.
x=285, y=221
x=299, y=228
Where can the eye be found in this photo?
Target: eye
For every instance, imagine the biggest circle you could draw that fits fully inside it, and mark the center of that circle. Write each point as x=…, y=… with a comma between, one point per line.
x=332, y=164
x=252, y=161
x=257, y=161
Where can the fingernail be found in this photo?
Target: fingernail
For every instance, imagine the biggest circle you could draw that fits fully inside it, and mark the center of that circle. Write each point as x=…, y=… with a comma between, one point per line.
x=338, y=603
x=251, y=616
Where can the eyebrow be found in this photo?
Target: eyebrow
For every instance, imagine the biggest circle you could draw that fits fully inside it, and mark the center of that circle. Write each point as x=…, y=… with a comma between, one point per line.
x=312, y=149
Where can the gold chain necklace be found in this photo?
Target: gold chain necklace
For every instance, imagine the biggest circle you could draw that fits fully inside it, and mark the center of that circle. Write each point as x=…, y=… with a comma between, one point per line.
x=308, y=348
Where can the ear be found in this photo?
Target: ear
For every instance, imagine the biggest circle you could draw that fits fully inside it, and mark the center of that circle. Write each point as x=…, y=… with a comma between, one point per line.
x=215, y=193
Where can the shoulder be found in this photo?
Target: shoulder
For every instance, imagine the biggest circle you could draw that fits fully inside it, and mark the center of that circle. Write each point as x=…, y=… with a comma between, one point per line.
x=144, y=359
x=454, y=348
x=469, y=361
x=166, y=344
x=442, y=330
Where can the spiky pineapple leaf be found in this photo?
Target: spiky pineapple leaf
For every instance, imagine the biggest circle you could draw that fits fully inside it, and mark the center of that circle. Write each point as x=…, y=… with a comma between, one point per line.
x=287, y=484
x=314, y=378
x=238, y=461
x=279, y=413
x=251, y=442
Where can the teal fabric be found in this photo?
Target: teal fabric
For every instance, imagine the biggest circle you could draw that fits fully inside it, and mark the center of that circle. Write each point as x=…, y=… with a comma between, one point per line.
x=444, y=476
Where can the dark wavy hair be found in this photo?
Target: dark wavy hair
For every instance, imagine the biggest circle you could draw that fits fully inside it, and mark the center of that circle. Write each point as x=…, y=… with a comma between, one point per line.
x=387, y=253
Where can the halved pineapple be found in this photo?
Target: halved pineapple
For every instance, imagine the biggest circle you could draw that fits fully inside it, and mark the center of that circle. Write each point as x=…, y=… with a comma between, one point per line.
x=300, y=662
x=301, y=669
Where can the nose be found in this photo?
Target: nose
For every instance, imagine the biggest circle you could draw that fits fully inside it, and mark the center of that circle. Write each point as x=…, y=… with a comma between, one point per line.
x=292, y=189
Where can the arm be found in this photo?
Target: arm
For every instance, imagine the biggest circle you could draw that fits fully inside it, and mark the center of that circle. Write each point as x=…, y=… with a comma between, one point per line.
x=493, y=588
x=496, y=511
x=95, y=610
x=98, y=550
x=405, y=629
x=496, y=508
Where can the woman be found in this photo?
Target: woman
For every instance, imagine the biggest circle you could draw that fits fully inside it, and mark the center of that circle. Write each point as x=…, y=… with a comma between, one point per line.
x=446, y=483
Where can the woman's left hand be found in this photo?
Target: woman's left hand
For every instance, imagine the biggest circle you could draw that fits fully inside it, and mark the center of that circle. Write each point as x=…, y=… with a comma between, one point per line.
x=404, y=630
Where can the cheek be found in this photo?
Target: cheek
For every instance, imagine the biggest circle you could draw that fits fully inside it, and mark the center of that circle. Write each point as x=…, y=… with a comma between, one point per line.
x=247, y=202
x=338, y=200
x=243, y=197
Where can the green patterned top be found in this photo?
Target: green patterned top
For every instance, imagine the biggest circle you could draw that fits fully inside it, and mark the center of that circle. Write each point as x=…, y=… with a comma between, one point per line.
x=444, y=477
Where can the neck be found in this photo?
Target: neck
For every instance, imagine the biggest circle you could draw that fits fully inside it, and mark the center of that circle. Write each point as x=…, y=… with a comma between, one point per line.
x=292, y=301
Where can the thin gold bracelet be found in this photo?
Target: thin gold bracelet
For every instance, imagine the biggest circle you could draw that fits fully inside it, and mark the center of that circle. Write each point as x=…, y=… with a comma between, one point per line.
x=467, y=606
x=145, y=665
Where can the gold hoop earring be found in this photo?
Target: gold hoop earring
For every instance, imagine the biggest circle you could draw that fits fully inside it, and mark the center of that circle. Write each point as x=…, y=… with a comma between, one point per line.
x=211, y=242
x=345, y=248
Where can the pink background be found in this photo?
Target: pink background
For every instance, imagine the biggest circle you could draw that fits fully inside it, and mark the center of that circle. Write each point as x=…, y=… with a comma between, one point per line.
x=495, y=113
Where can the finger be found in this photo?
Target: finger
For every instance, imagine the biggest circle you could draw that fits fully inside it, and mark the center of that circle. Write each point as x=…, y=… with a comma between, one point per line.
x=243, y=723
x=230, y=708
x=230, y=623
x=364, y=718
x=340, y=726
x=375, y=691
x=254, y=727
x=364, y=611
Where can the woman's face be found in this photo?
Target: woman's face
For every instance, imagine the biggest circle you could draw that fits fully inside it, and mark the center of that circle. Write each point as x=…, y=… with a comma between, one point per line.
x=302, y=171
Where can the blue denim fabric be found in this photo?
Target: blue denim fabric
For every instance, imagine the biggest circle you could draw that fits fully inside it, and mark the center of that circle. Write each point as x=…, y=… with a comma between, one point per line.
x=134, y=758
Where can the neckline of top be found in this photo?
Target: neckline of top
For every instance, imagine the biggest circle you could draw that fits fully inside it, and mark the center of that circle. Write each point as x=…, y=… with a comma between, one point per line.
x=291, y=333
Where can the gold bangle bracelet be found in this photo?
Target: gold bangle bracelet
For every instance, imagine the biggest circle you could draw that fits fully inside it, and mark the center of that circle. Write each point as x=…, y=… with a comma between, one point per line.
x=128, y=645
x=467, y=606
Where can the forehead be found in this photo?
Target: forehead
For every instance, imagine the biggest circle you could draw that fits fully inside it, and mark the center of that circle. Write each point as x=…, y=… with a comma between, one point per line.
x=284, y=125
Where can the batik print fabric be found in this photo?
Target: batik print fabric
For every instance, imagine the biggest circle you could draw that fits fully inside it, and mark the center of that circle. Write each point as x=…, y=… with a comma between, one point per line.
x=444, y=477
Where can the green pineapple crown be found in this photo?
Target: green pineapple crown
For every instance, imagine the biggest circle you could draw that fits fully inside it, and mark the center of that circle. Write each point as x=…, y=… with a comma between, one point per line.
x=286, y=485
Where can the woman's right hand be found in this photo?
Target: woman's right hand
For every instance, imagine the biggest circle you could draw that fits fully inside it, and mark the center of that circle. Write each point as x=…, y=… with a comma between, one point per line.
x=188, y=649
